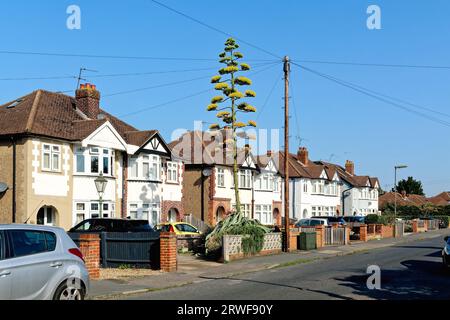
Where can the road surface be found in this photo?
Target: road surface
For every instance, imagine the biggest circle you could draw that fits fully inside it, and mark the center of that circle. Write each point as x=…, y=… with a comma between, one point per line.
x=408, y=271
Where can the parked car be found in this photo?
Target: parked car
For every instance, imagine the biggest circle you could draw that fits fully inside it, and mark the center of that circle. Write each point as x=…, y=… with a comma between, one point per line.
x=354, y=219
x=446, y=252
x=40, y=263
x=332, y=220
x=180, y=228
x=311, y=222
x=112, y=225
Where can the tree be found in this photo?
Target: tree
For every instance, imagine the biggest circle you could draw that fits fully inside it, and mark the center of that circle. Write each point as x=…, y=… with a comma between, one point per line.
x=410, y=186
x=228, y=83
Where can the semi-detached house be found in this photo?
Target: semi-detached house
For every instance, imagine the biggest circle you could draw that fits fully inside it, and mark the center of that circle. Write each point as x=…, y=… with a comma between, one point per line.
x=208, y=189
x=53, y=147
x=319, y=188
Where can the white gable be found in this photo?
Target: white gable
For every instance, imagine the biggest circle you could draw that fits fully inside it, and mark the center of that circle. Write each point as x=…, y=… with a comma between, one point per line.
x=336, y=177
x=155, y=144
x=249, y=162
x=323, y=175
x=105, y=136
x=271, y=167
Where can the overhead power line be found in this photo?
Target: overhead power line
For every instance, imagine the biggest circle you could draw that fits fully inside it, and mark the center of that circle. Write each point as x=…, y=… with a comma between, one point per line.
x=277, y=81
x=184, y=97
x=216, y=29
x=175, y=83
x=372, y=94
x=93, y=56
x=385, y=65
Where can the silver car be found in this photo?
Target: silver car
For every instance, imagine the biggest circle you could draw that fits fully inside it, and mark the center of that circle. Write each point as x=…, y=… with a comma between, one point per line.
x=40, y=262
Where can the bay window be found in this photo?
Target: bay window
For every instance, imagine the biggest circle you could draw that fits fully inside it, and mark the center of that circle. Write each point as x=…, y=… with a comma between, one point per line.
x=145, y=167
x=145, y=211
x=94, y=160
x=245, y=179
x=246, y=210
x=263, y=213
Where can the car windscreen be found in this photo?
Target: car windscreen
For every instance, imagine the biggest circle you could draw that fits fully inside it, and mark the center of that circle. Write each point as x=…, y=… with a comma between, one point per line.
x=303, y=222
x=316, y=222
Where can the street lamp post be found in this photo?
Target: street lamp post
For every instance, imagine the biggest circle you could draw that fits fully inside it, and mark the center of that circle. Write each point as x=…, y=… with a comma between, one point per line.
x=395, y=188
x=100, y=184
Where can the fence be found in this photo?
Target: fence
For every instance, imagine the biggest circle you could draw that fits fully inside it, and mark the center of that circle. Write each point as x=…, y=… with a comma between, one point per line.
x=198, y=223
x=399, y=229
x=432, y=224
x=139, y=249
x=335, y=236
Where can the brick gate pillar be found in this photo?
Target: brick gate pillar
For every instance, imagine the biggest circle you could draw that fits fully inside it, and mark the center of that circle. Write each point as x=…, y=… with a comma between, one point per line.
x=90, y=248
x=168, y=251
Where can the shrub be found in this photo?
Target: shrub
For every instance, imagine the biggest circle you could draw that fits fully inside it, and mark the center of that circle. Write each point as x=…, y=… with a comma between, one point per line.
x=372, y=219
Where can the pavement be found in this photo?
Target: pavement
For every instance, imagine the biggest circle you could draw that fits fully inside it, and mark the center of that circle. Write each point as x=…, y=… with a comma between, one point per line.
x=195, y=273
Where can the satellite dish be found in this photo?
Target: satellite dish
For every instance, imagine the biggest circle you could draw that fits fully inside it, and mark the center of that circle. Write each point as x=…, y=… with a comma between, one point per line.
x=3, y=187
x=207, y=172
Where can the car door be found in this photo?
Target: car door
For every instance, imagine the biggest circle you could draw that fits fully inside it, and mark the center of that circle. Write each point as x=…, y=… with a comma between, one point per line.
x=5, y=272
x=30, y=255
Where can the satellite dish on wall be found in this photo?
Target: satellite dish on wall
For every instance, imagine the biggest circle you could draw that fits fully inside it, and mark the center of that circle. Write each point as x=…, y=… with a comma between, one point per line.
x=3, y=187
x=207, y=172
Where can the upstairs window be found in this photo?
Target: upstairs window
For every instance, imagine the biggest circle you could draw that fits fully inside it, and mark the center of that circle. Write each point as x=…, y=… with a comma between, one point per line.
x=221, y=177
x=51, y=157
x=145, y=167
x=94, y=160
x=245, y=179
x=172, y=172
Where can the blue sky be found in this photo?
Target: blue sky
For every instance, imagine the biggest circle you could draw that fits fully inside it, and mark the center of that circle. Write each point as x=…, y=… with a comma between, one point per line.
x=337, y=123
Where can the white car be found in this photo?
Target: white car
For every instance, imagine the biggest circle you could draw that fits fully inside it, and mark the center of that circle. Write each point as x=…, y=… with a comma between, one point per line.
x=40, y=263
x=312, y=222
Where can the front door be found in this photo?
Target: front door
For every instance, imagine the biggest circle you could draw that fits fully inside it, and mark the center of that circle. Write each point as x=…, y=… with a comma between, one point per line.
x=46, y=216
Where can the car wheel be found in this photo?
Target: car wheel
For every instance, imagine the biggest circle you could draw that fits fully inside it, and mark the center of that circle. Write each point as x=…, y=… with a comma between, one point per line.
x=70, y=290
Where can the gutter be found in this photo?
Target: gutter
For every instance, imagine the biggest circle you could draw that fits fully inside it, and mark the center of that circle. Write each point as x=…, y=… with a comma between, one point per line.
x=14, y=174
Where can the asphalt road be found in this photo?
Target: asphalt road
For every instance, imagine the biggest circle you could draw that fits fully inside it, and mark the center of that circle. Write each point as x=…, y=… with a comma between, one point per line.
x=408, y=271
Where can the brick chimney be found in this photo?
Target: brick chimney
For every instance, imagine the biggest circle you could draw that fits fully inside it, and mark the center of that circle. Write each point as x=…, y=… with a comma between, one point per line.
x=88, y=100
x=303, y=155
x=350, y=167
x=269, y=153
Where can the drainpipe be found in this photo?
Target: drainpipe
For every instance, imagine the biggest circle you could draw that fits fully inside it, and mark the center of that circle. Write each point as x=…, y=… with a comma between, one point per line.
x=14, y=208
x=343, y=200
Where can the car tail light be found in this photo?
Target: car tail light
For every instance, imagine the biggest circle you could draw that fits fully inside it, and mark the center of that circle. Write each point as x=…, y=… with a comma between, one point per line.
x=171, y=228
x=77, y=252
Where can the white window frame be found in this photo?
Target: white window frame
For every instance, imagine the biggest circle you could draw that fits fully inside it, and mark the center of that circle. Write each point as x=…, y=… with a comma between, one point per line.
x=247, y=176
x=172, y=172
x=263, y=213
x=221, y=177
x=150, y=211
x=53, y=150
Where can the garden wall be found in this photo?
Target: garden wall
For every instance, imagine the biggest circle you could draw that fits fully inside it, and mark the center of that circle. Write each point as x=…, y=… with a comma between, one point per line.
x=232, y=246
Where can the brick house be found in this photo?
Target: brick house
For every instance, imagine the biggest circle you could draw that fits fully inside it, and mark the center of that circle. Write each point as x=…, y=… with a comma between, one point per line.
x=53, y=147
x=208, y=190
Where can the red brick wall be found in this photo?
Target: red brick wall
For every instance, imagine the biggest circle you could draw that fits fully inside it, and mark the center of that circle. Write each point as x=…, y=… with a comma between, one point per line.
x=213, y=205
x=277, y=205
x=168, y=252
x=320, y=236
x=293, y=241
x=90, y=248
x=387, y=231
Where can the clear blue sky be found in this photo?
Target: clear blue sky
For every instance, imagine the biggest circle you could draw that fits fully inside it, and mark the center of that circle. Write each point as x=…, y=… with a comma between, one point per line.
x=337, y=123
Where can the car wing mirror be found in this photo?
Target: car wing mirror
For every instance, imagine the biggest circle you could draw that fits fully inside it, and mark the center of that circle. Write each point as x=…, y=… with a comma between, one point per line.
x=446, y=238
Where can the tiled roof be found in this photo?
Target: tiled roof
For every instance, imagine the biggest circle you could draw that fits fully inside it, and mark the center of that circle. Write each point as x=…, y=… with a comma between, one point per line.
x=408, y=200
x=442, y=199
x=55, y=115
x=198, y=147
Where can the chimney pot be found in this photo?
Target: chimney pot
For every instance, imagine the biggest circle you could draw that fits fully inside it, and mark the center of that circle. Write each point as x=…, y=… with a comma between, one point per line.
x=269, y=153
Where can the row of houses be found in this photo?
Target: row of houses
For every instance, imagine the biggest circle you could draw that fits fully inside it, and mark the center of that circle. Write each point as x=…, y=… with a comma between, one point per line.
x=53, y=147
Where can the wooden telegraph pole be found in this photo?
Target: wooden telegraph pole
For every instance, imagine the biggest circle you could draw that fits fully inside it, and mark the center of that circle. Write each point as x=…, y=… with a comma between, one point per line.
x=286, y=152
